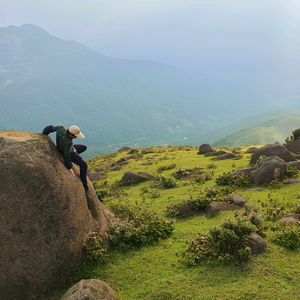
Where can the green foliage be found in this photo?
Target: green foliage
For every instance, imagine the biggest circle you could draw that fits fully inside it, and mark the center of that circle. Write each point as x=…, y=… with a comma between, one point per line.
x=173, y=210
x=160, y=169
x=288, y=235
x=101, y=193
x=274, y=209
x=291, y=171
x=199, y=203
x=238, y=180
x=220, y=241
x=166, y=181
x=139, y=226
x=218, y=192
x=275, y=184
x=96, y=247
x=295, y=136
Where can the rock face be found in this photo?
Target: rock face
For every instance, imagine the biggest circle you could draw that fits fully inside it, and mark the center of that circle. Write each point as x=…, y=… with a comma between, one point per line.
x=272, y=150
x=268, y=169
x=90, y=289
x=205, y=148
x=45, y=216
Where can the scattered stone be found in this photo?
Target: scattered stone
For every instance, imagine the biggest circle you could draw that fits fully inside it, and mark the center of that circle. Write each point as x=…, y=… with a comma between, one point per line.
x=105, y=166
x=135, y=177
x=272, y=150
x=123, y=163
x=290, y=181
x=132, y=151
x=220, y=152
x=216, y=207
x=184, y=210
x=295, y=164
x=226, y=156
x=96, y=175
x=256, y=190
x=255, y=242
x=238, y=200
x=205, y=148
x=251, y=150
x=268, y=169
x=209, y=154
x=90, y=289
x=292, y=218
x=117, y=168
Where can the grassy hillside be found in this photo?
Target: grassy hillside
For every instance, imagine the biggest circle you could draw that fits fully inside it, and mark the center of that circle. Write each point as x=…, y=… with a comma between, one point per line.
x=262, y=131
x=157, y=271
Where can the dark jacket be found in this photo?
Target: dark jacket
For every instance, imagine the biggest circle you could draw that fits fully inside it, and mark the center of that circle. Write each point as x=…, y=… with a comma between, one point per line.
x=64, y=142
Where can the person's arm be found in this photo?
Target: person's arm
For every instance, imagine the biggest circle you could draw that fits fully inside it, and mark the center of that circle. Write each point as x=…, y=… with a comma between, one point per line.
x=48, y=129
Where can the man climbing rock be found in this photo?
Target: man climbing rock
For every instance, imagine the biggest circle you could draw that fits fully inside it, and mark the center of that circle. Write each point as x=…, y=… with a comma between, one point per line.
x=69, y=151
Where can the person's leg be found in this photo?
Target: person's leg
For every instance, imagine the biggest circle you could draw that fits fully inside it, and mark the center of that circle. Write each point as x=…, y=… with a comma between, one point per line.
x=78, y=160
x=80, y=148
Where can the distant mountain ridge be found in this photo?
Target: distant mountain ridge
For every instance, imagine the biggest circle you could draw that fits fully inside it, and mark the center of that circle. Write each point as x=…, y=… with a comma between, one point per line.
x=45, y=80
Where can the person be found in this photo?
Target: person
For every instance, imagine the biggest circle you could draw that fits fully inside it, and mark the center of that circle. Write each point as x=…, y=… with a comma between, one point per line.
x=69, y=150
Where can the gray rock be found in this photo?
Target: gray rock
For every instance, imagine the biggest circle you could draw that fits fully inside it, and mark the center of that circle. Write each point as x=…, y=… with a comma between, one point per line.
x=293, y=146
x=255, y=242
x=226, y=156
x=268, y=169
x=205, y=148
x=238, y=200
x=90, y=289
x=290, y=218
x=96, y=175
x=135, y=177
x=46, y=216
x=184, y=210
x=105, y=166
x=216, y=207
x=243, y=171
x=272, y=150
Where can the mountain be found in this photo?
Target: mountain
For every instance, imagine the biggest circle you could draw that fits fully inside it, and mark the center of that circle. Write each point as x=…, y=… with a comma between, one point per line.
x=45, y=80
x=264, y=131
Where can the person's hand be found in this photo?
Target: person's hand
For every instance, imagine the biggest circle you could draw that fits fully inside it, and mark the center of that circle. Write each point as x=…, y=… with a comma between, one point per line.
x=72, y=172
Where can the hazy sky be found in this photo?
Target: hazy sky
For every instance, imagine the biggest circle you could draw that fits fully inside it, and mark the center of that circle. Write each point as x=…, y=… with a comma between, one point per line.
x=204, y=37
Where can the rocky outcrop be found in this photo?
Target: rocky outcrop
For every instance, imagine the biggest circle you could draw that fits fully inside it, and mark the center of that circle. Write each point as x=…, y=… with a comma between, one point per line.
x=90, y=289
x=46, y=216
x=268, y=169
x=238, y=200
x=105, y=166
x=255, y=242
x=272, y=150
x=205, y=148
x=226, y=156
x=292, y=218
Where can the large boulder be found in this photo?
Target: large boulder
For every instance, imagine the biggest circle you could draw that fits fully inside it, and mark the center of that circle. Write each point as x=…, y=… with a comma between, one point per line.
x=46, y=216
x=268, y=169
x=205, y=148
x=272, y=150
x=90, y=289
x=293, y=146
x=255, y=242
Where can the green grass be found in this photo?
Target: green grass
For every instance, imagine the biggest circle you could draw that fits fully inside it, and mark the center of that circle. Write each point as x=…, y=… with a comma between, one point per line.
x=157, y=272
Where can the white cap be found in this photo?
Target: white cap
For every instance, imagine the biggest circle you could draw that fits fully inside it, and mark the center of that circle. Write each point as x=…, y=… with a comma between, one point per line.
x=76, y=131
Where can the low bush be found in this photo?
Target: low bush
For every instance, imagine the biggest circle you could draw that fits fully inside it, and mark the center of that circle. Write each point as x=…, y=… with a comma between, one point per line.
x=237, y=180
x=287, y=235
x=96, y=248
x=167, y=182
x=138, y=226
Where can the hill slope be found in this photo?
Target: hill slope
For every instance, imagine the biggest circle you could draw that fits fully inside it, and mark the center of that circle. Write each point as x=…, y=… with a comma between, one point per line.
x=268, y=131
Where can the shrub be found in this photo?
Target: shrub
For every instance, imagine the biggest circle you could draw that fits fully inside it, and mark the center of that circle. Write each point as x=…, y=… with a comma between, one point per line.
x=173, y=210
x=166, y=182
x=216, y=192
x=101, y=193
x=288, y=236
x=138, y=226
x=291, y=171
x=199, y=203
x=220, y=241
x=295, y=136
x=164, y=168
x=96, y=247
x=237, y=180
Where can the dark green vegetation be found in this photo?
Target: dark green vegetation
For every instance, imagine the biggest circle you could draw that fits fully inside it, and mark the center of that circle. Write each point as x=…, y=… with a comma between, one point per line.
x=168, y=267
x=45, y=80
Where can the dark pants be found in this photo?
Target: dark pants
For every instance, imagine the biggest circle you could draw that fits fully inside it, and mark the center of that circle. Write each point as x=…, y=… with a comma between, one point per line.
x=78, y=160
